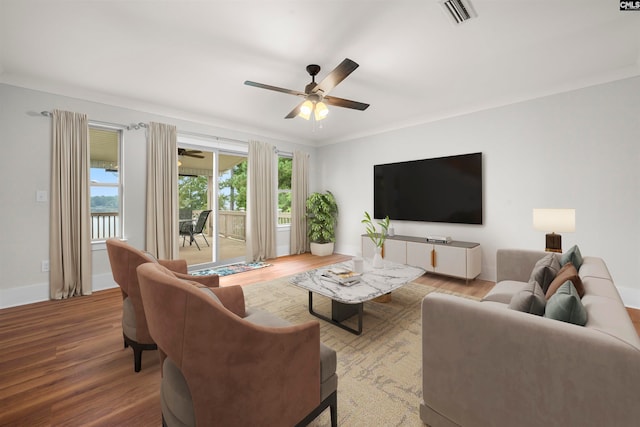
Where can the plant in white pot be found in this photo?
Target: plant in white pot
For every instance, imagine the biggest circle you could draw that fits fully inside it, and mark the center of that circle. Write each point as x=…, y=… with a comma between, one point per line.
x=322, y=218
x=376, y=237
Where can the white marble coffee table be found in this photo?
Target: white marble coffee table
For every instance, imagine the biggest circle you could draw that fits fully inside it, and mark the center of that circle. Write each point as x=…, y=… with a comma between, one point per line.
x=347, y=301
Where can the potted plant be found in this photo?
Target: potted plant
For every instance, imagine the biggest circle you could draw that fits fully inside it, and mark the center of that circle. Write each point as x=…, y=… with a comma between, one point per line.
x=322, y=218
x=376, y=237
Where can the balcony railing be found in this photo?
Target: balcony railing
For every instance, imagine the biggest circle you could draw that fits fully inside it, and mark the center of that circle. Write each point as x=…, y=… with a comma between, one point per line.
x=231, y=224
x=104, y=225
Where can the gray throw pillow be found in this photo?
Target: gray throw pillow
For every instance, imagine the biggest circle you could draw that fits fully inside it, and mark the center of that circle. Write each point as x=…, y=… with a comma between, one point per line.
x=565, y=305
x=529, y=300
x=573, y=256
x=545, y=271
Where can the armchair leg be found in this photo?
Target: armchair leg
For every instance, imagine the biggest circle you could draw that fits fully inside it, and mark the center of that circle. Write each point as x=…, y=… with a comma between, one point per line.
x=137, y=351
x=205, y=239
x=333, y=407
x=332, y=403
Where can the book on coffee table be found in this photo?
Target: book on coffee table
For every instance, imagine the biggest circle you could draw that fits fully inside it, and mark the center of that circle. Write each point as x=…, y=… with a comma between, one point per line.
x=342, y=276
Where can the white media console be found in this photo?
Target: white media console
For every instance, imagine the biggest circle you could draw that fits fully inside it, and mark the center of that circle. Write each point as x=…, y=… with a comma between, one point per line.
x=456, y=259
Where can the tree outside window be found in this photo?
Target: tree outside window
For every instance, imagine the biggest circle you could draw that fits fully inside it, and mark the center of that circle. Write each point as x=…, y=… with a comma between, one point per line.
x=284, y=190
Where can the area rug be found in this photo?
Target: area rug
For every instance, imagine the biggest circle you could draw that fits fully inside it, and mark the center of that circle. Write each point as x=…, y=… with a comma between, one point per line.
x=226, y=270
x=379, y=372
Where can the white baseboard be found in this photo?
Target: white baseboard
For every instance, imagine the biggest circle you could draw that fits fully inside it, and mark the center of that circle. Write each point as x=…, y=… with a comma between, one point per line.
x=630, y=297
x=103, y=281
x=22, y=295
x=38, y=292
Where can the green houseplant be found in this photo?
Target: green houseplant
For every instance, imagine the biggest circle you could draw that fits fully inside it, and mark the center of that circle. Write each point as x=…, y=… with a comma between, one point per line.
x=322, y=218
x=376, y=237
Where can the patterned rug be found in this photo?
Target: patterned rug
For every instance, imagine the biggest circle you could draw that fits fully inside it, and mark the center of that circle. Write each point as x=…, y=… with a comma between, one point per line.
x=379, y=372
x=226, y=270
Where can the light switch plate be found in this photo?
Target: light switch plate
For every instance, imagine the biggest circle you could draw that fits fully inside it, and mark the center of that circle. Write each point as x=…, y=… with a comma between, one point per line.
x=42, y=196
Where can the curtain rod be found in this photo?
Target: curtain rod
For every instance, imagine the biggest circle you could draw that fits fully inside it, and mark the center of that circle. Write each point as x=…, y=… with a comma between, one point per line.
x=135, y=126
x=217, y=138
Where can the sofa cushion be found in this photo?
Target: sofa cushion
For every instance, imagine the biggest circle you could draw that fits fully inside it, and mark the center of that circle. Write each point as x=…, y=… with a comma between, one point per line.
x=567, y=272
x=208, y=292
x=596, y=286
x=129, y=319
x=573, y=256
x=151, y=257
x=609, y=316
x=594, y=267
x=175, y=397
x=545, y=271
x=529, y=300
x=503, y=291
x=565, y=305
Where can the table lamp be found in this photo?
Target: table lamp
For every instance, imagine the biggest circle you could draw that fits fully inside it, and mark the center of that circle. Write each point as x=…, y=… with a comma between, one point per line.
x=554, y=220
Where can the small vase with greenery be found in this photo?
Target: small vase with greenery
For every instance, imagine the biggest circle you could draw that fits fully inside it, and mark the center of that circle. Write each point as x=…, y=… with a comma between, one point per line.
x=376, y=237
x=322, y=218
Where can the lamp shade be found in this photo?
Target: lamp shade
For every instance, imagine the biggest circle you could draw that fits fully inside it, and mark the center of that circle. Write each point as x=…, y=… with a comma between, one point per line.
x=554, y=220
x=321, y=111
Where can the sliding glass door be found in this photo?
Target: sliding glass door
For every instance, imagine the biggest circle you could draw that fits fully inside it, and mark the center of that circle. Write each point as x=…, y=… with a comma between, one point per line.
x=212, y=188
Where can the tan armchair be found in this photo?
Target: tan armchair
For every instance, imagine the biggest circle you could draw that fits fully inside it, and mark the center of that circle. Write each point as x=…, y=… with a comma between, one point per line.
x=223, y=364
x=124, y=260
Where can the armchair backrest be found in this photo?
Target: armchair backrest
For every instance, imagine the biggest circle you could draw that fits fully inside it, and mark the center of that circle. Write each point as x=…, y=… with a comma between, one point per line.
x=238, y=373
x=124, y=260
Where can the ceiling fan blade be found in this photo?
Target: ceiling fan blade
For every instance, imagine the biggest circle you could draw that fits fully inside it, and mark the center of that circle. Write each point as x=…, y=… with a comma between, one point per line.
x=338, y=74
x=275, y=88
x=346, y=103
x=197, y=156
x=294, y=112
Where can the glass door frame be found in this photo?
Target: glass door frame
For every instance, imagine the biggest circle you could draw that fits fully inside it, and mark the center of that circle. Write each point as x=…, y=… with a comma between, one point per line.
x=216, y=147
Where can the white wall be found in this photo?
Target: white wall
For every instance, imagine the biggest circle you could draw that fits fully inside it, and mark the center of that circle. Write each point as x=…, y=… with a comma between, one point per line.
x=25, y=137
x=579, y=150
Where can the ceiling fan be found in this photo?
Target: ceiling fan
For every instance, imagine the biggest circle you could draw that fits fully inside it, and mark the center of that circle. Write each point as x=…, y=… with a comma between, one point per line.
x=315, y=94
x=190, y=153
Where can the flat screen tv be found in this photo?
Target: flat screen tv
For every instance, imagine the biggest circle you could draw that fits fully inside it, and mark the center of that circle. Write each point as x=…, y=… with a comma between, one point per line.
x=444, y=189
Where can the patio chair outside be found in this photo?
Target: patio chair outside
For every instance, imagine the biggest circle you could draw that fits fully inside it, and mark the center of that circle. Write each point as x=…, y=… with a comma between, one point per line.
x=191, y=230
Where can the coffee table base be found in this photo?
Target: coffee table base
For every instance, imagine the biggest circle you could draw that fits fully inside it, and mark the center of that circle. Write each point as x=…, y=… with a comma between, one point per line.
x=339, y=312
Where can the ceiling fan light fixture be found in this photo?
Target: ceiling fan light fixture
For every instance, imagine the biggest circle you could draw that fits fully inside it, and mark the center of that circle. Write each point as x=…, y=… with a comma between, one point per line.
x=458, y=10
x=321, y=111
x=305, y=110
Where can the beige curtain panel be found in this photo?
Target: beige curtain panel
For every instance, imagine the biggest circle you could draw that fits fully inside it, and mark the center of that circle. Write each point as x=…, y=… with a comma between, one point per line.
x=70, y=216
x=162, y=191
x=261, y=202
x=299, y=241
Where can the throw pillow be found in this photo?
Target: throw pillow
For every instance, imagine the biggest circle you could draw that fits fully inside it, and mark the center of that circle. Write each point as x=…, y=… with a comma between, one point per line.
x=529, y=300
x=573, y=256
x=545, y=271
x=568, y=272
x=565, y=305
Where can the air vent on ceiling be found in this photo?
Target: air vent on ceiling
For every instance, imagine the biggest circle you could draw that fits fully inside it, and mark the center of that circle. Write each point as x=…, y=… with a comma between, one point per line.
x=458, y=10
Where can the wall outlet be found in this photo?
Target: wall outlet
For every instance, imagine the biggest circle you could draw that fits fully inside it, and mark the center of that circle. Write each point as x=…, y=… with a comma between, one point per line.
x=45, y=266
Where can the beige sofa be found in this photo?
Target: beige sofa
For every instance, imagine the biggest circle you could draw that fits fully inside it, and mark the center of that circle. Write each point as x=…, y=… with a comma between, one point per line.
x=487, y=365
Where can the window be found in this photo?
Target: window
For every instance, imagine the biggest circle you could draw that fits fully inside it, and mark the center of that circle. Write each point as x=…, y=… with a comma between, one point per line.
x=105, y=187
x=284, y=190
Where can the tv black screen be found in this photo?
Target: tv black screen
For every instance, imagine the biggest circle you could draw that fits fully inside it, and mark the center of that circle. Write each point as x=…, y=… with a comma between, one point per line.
x=444, y=189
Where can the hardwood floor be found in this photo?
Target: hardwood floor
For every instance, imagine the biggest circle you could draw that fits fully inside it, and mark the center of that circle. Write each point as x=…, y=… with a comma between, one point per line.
x=63, y=362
